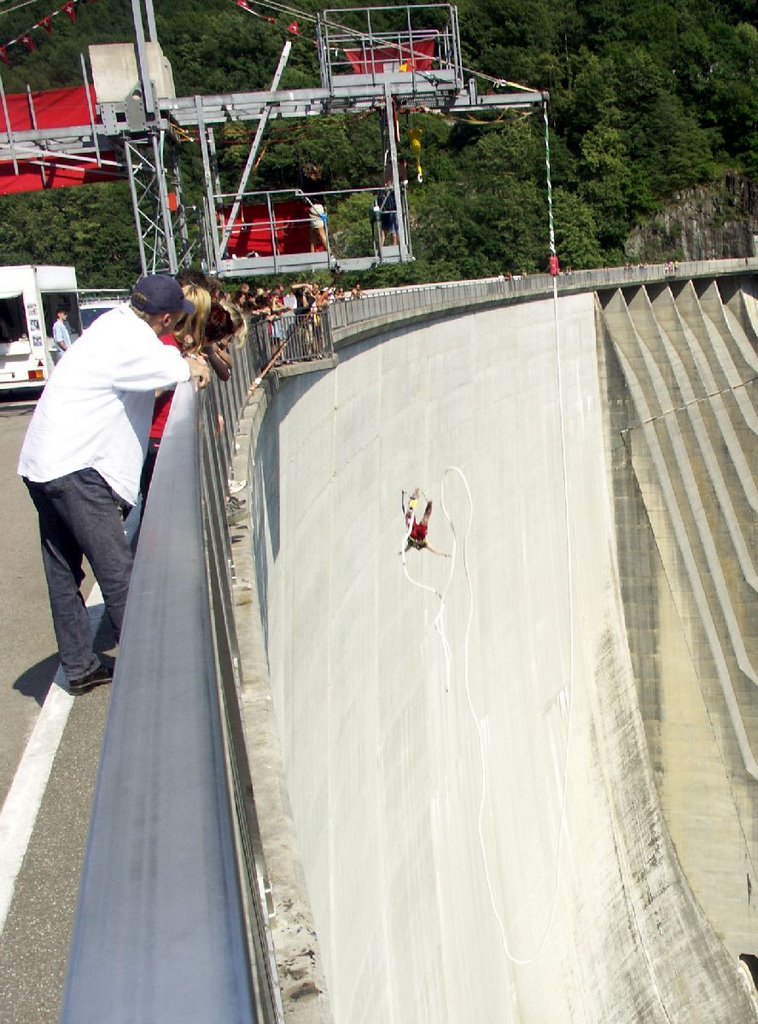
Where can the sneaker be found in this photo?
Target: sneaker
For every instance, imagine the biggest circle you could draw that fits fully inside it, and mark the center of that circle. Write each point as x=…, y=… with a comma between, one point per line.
x=97, y=677
x=235, y=486
x=234, y=513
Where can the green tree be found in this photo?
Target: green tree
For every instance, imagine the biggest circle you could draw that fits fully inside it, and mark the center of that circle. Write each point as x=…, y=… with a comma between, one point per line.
x=607, y=183
x=576, y=236
x=90, y=228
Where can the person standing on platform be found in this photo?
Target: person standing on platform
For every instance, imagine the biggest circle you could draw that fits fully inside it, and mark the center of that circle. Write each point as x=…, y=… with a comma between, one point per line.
x=318, y=220
x=82, y=456
x=389, y=217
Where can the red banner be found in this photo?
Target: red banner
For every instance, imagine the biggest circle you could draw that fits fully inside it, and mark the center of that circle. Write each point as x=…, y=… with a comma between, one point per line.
x=253, y=233
x=39, y=177
x=54, y=108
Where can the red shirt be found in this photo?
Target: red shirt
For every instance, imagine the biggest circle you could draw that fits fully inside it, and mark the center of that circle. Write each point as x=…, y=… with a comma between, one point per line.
x=163, y=401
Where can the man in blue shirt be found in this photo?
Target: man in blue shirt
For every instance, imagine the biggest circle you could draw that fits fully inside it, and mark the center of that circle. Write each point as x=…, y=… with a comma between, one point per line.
x=61, y=335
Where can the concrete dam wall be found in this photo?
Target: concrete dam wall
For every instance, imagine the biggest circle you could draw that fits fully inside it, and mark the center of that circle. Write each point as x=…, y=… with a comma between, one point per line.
x=522, y=773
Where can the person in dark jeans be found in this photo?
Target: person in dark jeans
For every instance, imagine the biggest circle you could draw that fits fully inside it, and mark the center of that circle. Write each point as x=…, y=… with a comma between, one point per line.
x=82, y=456
x=79, y=514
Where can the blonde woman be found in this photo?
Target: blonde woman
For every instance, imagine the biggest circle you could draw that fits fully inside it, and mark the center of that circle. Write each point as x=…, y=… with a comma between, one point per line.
x=188, y=336
x=189, y=333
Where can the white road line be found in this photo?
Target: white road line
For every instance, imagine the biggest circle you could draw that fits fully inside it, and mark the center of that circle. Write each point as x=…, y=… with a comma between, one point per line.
x=24, y=798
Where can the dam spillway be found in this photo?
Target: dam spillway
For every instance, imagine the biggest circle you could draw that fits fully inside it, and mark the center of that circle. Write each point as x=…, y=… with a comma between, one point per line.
x=522, y=778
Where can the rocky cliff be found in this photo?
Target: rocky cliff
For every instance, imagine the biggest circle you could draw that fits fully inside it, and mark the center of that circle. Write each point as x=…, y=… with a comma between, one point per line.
x=717, y=222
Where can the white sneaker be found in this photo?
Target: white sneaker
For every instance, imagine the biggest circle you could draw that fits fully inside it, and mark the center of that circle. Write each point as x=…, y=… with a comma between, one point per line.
x=235, y=486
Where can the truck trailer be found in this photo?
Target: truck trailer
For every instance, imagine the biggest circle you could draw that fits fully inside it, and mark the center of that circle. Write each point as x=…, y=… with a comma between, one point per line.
x=30, y=298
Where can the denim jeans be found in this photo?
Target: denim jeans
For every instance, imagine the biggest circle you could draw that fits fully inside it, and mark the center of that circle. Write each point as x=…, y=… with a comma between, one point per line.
x=80, y=515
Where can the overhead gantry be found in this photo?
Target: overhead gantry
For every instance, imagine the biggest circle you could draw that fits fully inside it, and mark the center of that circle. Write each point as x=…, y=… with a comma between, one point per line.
x=388, y=60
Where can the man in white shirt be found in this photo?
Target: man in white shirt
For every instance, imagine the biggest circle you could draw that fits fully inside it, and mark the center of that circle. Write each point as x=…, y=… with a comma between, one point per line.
x=61, y=335
x=83, y=453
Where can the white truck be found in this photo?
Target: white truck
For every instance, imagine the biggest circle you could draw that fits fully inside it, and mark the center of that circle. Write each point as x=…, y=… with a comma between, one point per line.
x=93, y=302
x=30, y=298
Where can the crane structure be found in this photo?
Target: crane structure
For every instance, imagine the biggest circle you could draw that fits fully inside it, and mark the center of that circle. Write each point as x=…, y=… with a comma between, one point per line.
x=388, y=60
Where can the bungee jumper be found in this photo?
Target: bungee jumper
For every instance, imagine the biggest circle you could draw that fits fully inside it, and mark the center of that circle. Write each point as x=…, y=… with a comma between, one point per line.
x=417, y=528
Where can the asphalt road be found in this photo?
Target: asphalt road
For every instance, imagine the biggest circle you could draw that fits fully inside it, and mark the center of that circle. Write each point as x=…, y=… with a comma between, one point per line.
x=35, y=940
x=27, y=643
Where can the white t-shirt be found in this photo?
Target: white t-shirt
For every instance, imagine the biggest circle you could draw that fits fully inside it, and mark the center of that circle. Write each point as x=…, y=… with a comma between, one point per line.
x=96, y=409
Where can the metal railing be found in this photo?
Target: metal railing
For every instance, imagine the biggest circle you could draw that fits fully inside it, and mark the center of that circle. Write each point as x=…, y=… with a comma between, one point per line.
x=292, y=337
x=415, y=40
x=171, y=923
x=431, y=299
x=283, y=223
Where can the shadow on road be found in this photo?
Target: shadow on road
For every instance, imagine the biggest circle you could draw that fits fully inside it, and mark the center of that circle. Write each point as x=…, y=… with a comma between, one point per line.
x=36, y=681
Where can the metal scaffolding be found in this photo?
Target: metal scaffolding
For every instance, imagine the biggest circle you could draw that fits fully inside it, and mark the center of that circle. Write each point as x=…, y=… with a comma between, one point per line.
x=388, y=60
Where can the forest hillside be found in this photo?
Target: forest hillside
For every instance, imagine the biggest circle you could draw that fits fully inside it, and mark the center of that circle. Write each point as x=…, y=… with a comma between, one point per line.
x=651, y=102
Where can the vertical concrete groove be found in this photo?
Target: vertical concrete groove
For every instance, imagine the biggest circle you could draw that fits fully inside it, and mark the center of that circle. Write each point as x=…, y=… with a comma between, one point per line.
x=666, y=338
x=686, y=511
x=674, y=463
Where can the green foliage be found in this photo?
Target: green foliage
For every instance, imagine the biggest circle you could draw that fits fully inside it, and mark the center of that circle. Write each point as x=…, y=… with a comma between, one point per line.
x=90, y=227
x=647, y=97
x=350, y=227
x=576, y=233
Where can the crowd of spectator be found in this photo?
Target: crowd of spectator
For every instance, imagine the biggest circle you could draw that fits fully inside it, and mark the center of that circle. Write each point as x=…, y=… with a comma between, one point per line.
x=301, y=299
x=290, y=317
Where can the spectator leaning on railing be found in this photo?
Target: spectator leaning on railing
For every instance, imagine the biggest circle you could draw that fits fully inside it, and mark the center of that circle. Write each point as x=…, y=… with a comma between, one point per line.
x=187, y=337
x=82, y=456
x=225, y=327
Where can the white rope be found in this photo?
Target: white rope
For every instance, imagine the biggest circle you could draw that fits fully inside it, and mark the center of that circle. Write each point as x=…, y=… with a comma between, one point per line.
x=524, y=961
x=440, y=626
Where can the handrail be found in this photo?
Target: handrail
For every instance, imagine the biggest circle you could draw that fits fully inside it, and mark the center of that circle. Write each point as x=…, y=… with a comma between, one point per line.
x=171, y=923
x=435, y=298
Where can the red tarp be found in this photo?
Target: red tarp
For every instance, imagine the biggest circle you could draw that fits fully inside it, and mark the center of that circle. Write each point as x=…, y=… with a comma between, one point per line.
x=55, y=108
x=36, y=177
x=417, y=56
x=252, y=230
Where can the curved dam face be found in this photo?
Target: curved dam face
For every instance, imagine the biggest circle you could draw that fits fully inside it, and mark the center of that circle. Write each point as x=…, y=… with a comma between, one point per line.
x=519, y=771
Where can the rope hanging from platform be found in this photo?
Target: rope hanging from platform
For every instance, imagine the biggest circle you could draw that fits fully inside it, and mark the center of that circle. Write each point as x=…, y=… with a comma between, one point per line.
x=441, y=629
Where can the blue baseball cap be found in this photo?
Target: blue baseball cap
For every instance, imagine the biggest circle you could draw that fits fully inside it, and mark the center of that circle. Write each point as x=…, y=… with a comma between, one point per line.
x=159, y=293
